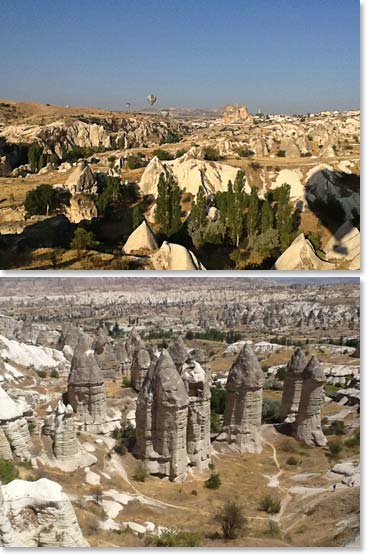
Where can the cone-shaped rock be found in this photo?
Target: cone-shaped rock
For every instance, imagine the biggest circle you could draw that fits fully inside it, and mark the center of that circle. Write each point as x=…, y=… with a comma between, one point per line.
x=293, y=385
x=65, y=443
x=15, y=439
x=123, y=359
x=244, y=393
x=105, y=355
x=161, y=420
x=139, y=366
x=86, y=390
x=308, y=422
x=132, y=342
x=198, y=423
x=178, y=352
x=142, y=238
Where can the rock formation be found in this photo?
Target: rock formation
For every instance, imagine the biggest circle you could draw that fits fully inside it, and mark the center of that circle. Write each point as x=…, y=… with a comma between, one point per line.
x=105, y=355
x=175, y=257
x=301, y=255
x=86, y=389
x=307, y=426
x=65, y=443
x=293, y=386
x=139, y=366
x=81, y=208
x=124, y=359
x=37, y=513
x=68, y=339
x=345, y=246
x=235, y=113
x=15, y=439
x=244, y=393
x=133, y=341
x=82, y=180
x=161, y=420
x=178, y=352
x=142, y=238
x=198, y=423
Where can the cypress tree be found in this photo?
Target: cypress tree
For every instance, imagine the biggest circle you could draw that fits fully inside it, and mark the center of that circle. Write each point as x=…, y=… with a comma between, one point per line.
x=284, y=216
x=168, y=212
x=253, y=213
x=267, y=216
x=198, y=219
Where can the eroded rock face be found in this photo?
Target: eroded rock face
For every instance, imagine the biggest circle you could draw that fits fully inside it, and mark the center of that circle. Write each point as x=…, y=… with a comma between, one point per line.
x=178, y=352
x=161, y=420
x=37, y=513
x=140, y=366
x=244, y=393
x=105, y=355
x=82, y=180
x=175, y=257
x=15, y=439
x=198, y=423
x=82, y=208
x=301, y=255
x=124, y=359
x=65, y=443
x=142, y=238
x=293, y=386
x=236, y=113
x=307, y=426
x=86, y=389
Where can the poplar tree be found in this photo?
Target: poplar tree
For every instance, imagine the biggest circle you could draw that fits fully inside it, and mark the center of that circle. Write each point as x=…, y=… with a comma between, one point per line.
x=198, y=219
x=267, y=216
x=253, y=213
x=168, y=212
x=284, y=216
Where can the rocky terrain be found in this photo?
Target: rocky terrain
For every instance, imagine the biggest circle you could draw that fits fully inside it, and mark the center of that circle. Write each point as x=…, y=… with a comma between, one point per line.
x=79, y=152
x=134, y=430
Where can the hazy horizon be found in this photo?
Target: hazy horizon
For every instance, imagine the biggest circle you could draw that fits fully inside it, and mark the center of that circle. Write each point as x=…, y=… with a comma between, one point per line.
x=279, y=56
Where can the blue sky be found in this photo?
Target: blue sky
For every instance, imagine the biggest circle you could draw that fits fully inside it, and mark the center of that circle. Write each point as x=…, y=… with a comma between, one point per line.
x=279, y=55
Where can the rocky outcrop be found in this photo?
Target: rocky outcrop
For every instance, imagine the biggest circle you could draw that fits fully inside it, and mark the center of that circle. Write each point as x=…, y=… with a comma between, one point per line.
x=175, y=257
x=81, y=208
x=133, y=341
x=15, y=439
x=82, y=180
x=65, y=442
x=236, y=113
x=161, y=420
x=142, y=238
x=86, y=389
x=301, y=255
x=139, y=366
x=244, y=393
x=178, y=352
x=68, y=340
x=292, y=386
x=198, y=422
x=124, y=359
x=191, y=173
x=105, y=355
x=37, y=513
x=307, y=426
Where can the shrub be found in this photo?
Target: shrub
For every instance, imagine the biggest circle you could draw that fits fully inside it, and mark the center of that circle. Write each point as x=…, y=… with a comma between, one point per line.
x=270, y=410
x=211, y=154
x=274, y=529
x=215, y=422
x=335, y=448
x=140, y=473
x=353, y=441
x=231, y=519
x=245, y=152
x=213, y=482
x=42, y=373
x=292, y=461
x=83, y=240
x=173, y=538
x=8, y=471
x=126, y=382
x=270, y=505
x=135, y=161
x=170, y=138
x=281, y=153
x=163, y=154
x=180, y=152
x=54, y=374
x=32, y=426
x=42, y=200
x=281, y=374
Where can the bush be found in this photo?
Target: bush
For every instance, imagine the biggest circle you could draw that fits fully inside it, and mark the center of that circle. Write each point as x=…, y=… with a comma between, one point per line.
x=163, y=154
x=270, y=410
x=54, y=374
x=135, y=161
x=270, y=505
x=83, y=240
x=170, y=138
x=215, y=422
x=140, y=473
x=174, y=538
x=231, y=519
x=213, y=482
x=281, y=373
x=32, y=426
x=211, y=154
x=42, y=373
x=354, y=440
x=281, y=153
x=274, y=529
x=245, y=152
x=8, y=471
x=335, y=448
x=336, y=427
x=42, y=200
x=180, y=152
x=292, y=461
x=126, y=382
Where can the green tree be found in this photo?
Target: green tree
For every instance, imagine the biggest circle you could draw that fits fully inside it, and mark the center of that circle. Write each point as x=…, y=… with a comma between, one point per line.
x=168, y=212
x=35, y=156
x=42, y=200
x=284, y=216
x=111, y=197
x=137, y=216
x=253, y=213
x=83, y=240
x=267, y=216
x=198, y=219
x=236, y=214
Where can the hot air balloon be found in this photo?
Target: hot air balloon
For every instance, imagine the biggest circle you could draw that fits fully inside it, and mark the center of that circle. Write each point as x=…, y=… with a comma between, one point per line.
x=152, y=99
x=128, y=104
x=164, y=113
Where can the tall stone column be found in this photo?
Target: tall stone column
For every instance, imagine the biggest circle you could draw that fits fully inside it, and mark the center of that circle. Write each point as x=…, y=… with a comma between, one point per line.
x=307, y=427
x=292, y=386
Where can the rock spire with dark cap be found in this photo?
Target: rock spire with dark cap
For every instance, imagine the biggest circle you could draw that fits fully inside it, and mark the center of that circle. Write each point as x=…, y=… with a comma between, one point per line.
x=178, y=352
x=243, y=408
x=293, y=386
x=307, y=427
